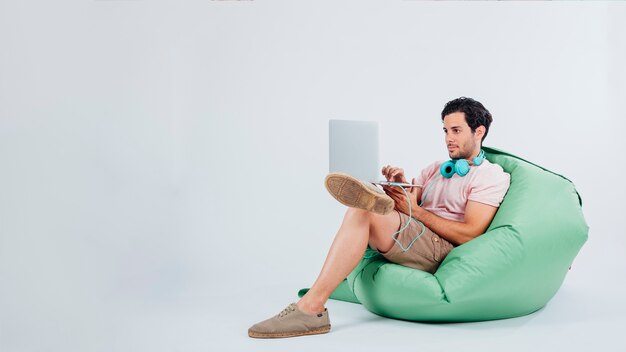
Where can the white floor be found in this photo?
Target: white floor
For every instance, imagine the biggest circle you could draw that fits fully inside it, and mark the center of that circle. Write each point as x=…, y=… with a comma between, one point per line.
x=577, y=319
x=574, y=321
x=83, y=306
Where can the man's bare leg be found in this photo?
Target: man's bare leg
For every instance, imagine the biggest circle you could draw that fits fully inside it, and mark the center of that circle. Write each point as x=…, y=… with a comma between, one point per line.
x=357, y=229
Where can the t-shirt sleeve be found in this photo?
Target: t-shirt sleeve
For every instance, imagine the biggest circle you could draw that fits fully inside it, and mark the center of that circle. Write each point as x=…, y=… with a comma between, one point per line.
x=491, y=187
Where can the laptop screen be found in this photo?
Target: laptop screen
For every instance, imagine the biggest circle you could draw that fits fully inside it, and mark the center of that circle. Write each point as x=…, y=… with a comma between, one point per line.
x=353, y=149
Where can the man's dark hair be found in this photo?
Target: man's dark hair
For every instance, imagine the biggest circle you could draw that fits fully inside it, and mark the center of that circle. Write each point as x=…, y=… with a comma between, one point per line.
x=475, y=113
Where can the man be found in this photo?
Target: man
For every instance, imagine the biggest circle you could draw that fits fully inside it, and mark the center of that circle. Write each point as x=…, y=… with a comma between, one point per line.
x=450, y=203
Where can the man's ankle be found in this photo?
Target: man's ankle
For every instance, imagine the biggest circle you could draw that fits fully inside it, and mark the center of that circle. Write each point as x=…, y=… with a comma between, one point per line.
x=310, y=309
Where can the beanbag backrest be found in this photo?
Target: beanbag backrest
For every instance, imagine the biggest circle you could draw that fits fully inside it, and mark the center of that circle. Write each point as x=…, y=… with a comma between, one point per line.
x=513, y=269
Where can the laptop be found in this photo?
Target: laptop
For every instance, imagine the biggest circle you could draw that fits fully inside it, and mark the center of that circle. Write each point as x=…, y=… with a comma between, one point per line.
x=353, y=149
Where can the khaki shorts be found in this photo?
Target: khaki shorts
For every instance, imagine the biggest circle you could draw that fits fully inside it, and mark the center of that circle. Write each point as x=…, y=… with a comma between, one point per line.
x=425, y=254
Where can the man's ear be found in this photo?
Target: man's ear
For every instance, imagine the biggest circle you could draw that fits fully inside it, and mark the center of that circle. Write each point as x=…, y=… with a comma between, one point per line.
x=480, y=131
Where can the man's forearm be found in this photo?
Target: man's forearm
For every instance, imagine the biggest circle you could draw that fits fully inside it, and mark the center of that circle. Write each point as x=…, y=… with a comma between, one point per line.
x=454, y=232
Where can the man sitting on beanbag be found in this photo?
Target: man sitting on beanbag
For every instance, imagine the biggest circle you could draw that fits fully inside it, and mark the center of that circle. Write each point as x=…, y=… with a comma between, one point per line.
x=459, y=199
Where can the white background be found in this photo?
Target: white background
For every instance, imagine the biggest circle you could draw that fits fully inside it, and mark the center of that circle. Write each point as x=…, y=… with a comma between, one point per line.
x=162, y=163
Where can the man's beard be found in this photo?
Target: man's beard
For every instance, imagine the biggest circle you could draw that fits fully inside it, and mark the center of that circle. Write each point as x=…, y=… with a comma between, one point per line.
x=462, y=154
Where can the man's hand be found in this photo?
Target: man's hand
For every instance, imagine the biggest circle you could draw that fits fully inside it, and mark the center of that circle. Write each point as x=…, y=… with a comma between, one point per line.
x=394, y=174
x=400, y=199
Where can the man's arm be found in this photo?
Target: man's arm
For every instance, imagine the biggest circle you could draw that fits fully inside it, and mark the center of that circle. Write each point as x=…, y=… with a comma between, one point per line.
x=478, y=216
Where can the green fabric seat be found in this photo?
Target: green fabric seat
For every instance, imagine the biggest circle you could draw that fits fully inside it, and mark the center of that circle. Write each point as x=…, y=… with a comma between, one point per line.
x=513, y=269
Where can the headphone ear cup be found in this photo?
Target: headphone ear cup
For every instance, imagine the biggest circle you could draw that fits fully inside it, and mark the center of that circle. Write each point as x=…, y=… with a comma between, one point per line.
x=461, y=167
x=447, y=169
x=479, y=159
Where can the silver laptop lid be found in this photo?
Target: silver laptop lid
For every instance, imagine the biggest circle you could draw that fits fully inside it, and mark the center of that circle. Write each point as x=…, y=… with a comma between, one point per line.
x=353, y=147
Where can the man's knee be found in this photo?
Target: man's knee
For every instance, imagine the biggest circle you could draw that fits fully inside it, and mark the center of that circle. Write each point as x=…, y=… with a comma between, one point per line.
x=358, y=214
x=378, y=219
x=372, y=218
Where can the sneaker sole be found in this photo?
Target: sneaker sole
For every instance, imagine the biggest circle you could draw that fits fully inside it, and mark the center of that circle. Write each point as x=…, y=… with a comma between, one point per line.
x=275, y=335
x=351, y=192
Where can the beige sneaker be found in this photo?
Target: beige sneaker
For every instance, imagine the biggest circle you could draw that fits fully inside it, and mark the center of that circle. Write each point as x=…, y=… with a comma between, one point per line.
x=291, y=322
x=355, y=193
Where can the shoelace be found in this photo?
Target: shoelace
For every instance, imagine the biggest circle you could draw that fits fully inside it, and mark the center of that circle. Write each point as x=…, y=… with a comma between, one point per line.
x=290, y=308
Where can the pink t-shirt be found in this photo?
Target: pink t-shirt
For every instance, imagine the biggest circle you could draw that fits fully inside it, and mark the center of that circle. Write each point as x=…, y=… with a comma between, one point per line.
x=447, y=197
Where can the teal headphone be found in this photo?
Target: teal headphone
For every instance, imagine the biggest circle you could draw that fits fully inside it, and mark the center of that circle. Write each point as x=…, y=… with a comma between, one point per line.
x=460, y=167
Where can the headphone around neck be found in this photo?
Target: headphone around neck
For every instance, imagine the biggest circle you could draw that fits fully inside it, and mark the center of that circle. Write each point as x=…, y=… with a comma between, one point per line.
x=460, y=167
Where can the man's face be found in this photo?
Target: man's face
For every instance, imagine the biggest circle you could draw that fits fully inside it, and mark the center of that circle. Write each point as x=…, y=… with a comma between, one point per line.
x=461, y=142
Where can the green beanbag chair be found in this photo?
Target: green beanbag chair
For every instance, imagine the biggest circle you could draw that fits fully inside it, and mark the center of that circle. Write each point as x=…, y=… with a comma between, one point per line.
x=511, y=270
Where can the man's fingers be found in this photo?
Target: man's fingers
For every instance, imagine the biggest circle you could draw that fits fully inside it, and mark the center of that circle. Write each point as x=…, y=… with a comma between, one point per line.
x=391, y=192
x=390, y=172
x=395, y=190
x=398, y=172
x=385, y=172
